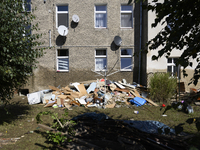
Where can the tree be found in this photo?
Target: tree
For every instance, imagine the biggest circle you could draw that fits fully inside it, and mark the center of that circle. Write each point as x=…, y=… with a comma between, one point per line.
x=18, y=46
x=181, y=31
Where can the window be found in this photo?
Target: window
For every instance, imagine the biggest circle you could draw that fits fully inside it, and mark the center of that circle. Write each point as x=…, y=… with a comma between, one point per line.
x=27, y=30
x=27, y=5
x=172, y=67
x=126, y=16
x=100, y=60
x=62, y=60
x=100, y=16
x=126, y=59
x=62, y=16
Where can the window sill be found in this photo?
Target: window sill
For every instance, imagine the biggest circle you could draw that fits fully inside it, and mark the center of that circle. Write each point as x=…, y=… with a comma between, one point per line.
x=126, y=70
x=126, y=28
x=62, y=71
x=100, y=27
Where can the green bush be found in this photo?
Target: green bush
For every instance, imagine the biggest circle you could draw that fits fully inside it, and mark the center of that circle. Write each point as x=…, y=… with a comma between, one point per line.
x=162, y=87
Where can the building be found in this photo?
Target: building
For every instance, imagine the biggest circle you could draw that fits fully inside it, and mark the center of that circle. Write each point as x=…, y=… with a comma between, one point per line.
x=87, y=44
x=163, y=64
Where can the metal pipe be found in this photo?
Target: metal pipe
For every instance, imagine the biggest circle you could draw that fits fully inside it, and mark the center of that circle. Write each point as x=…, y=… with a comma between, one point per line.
x=49, y=38
x=139, y=72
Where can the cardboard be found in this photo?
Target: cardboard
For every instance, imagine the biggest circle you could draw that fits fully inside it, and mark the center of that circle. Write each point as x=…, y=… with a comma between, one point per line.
x=75, y=94
x=82, y=89
x=50, y=103
x=54, y=88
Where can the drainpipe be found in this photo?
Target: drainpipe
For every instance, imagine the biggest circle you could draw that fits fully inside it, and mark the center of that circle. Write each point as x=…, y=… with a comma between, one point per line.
x=49, y=38
x=140, y=47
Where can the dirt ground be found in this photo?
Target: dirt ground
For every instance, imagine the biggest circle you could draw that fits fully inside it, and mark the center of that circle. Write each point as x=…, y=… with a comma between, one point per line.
x=19, y=129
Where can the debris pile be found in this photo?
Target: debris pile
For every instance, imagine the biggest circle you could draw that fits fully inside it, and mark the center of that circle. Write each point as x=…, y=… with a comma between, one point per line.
x=96, y=93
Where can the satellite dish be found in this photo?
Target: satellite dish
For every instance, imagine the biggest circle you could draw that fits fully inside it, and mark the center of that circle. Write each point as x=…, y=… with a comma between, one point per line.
x=118, y=40
x=75, y=18
x=62, y=30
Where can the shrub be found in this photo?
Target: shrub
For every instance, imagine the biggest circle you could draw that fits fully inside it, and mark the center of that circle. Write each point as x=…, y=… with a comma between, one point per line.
x=162, y=87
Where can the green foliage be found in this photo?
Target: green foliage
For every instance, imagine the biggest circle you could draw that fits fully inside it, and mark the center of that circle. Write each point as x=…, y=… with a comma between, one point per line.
x=180, y=20
x=18, y=47
x=56, y=138
x=60, y=124
x=162, y=87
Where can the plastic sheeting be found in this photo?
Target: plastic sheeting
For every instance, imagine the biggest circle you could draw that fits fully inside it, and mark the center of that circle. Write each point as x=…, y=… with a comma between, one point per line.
x=148, y=126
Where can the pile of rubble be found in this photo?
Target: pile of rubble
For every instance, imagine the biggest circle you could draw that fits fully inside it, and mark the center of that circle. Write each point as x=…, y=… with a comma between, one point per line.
x=99, y=93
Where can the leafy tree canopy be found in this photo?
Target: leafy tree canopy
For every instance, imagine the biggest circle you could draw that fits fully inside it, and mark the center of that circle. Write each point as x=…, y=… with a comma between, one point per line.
x=181, y=31
x=18, y=46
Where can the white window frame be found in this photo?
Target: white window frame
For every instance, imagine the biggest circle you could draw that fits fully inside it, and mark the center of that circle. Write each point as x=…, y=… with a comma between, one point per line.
x=101, y=56
x=126, y=12
x=126, y=56
x=99, y=12
x=57, y=57
x=24, y=6
x=61, y=12
x=171, y=65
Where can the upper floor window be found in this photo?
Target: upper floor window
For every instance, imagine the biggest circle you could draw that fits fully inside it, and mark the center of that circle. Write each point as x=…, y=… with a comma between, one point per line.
x=126, y=16
x=100, y=16
x=62, y=15
x=62, y=60
x=126, y=60
x=172, y=68
x=27, y=5
x=100, y=59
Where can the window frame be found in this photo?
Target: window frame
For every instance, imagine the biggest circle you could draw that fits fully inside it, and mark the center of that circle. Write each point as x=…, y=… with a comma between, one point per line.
x=172, y=64
x=100, y=12
x=126, y=12
x=62, y=12
x=25, y=4
x=126, y=56
x=57, y=64
x=100, y=56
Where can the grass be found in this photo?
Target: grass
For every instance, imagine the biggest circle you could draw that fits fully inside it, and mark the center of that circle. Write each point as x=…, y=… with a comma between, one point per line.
x=20, y=121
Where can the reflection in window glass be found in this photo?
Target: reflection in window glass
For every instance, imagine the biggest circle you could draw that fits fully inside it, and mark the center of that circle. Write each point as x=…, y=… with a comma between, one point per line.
x=126, y=59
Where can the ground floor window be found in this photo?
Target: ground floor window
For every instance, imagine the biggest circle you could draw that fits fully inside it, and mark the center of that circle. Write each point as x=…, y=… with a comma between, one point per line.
x=62, y=60
x=172, y=68
x=126, y=59
x=100, y=59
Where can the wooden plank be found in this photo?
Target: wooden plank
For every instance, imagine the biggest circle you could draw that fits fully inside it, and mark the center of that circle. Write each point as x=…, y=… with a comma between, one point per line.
x=122, y=90
x=135, y=93
x=150, y=101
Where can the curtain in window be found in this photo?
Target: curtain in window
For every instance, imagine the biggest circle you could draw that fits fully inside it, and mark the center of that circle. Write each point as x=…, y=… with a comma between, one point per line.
x=100, y=63
x=126, y=20
x=100, y=20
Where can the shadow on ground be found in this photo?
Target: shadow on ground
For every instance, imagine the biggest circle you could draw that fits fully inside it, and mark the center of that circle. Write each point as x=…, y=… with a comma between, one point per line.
x=13, y=111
